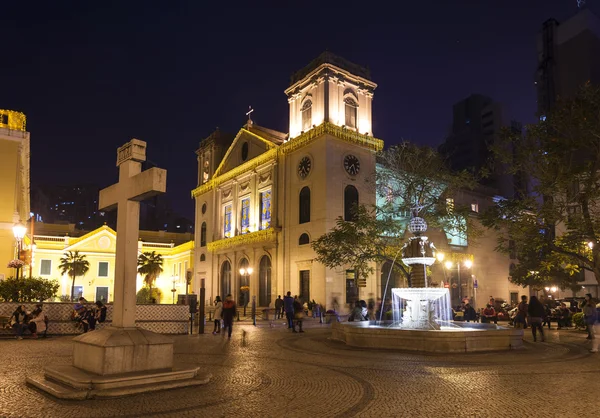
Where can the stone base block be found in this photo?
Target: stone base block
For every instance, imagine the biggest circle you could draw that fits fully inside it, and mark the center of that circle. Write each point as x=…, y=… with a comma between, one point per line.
x=69, y=382
x=114, y=350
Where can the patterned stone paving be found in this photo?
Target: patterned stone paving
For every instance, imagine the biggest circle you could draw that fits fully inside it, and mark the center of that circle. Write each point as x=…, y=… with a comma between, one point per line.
x=268, y=372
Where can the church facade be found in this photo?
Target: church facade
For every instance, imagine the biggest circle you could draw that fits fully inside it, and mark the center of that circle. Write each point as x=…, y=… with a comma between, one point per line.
x=263, y=196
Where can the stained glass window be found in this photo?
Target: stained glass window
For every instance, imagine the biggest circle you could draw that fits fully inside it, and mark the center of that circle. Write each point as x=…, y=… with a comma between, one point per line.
x=265, y=209
x=245, y=215
x=227, y=222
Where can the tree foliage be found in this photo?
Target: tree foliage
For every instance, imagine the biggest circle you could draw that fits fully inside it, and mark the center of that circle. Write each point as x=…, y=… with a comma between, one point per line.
x=150, y=266
x=35, y=289
x=360, y=242
x=73, y=264
x=148, y=295
x=553, y=224
x=413, y=176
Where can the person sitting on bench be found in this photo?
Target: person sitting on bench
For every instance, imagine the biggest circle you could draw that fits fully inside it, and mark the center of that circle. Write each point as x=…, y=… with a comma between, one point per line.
x=489, y=314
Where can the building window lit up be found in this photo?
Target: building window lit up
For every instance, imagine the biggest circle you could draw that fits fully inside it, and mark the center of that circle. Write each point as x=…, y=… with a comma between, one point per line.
x=351, y=111
x=245, y=221
x=306, y=115
x=227, y=222
x=265, y=209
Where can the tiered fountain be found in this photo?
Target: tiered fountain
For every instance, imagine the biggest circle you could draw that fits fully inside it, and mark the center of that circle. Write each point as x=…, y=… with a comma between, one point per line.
x=422, y=315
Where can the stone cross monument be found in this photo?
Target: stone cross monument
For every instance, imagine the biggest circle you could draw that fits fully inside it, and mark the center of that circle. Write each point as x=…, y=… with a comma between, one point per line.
x=134, y=185
x=122, y=359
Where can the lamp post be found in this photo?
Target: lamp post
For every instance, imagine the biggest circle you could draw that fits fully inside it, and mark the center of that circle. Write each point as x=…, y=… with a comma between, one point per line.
x=19, y=231
x=467, y=264
x=245, y=272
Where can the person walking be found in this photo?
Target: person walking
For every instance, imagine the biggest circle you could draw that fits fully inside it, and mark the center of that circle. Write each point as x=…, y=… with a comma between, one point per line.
x=218, y=315
x=298, y=315
x=278, y=307
x=229, y=310
x=288, y=307
x=590, y=315
x=536, y=314
x=521, y=316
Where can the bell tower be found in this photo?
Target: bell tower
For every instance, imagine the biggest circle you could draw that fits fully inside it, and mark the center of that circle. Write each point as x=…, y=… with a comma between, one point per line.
x=330, y=89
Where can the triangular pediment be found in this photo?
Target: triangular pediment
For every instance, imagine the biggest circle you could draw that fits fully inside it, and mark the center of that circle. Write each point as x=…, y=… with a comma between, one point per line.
x=103, y=240
x=259, y=140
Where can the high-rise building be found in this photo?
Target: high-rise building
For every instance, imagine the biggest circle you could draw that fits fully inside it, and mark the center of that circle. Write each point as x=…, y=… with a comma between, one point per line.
x=568, y=57
x=476, y=124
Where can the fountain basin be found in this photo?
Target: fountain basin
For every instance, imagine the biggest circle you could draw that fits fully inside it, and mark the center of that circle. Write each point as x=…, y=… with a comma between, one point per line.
x=455, y=337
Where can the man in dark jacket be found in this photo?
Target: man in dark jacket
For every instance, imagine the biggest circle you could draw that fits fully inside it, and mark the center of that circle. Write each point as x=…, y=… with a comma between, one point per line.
x=278, y=307
x=470, y=314
x=228, y=313
x=288, y=307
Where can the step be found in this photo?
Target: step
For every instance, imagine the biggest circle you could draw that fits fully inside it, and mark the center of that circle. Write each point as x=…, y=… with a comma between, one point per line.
x=56, y=389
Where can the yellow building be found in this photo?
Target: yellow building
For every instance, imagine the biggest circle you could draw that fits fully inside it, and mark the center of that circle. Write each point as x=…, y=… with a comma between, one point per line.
x=98, y=246
x=14, y=183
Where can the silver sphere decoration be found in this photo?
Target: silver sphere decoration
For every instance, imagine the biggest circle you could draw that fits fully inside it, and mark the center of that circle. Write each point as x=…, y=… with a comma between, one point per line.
x=417, y=225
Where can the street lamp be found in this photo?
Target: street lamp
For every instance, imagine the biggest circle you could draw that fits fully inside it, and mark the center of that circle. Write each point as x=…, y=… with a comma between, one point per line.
x=19, y=231
x=467, y=264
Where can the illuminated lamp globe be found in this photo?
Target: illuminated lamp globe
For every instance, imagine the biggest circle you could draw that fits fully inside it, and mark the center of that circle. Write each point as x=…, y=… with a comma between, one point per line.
x=417, y=225
x=19, y=231
x=468, y=264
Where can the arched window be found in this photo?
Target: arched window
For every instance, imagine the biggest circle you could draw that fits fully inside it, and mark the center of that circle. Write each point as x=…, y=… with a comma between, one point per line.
x=264, y=281
x=243, y=295
x=304, y=239
x=202, y=257
x=350, y=203
x=225, y=279
x=203, y=235
x=351, y=110
x=304, y=205
x=306, y=115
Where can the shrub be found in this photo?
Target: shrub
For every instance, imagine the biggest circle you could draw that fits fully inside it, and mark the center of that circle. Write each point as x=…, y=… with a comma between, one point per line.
x=33, y=289
x=143, y=295
x=578, y=320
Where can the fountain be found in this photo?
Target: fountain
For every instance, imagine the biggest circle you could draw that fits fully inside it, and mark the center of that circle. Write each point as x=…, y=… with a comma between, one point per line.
x=422, y=317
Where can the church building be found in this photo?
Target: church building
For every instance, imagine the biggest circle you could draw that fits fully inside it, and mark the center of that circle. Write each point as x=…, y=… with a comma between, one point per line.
x=263, y=196
x=261, y=201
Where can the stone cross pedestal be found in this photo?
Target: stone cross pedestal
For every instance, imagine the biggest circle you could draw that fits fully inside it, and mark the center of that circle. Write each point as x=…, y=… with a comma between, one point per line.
x=122, y=359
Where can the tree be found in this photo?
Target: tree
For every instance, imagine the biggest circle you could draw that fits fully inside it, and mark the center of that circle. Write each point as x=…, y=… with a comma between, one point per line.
x=26, y=289
x=358, y=243
x=553, y=223
x=150, y=266
x=73, y=264
x=417, y=178
x=408, y=178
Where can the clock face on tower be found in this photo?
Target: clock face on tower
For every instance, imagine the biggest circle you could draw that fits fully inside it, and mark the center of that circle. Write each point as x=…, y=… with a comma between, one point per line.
x=351, y=165
x=304, y=167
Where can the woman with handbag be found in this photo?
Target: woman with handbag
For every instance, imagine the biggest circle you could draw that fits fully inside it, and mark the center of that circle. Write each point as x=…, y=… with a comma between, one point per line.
x=218, y=314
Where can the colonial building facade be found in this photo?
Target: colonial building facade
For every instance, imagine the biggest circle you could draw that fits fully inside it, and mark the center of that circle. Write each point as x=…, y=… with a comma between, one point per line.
x=263, y=196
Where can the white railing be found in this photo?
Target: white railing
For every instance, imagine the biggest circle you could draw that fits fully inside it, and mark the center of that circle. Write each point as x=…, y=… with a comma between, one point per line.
x=47, y=238
x=157, y=245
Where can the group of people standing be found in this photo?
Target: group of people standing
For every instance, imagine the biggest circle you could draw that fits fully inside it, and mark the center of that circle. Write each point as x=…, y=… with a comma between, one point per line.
x=535, y=314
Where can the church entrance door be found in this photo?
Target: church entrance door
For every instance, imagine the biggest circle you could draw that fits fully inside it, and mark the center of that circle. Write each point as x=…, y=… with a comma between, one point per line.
x=225, y=279
x=264, y=281
x=305, y=286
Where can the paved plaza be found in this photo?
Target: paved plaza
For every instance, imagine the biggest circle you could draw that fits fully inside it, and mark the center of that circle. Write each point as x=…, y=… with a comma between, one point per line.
x=267, y=371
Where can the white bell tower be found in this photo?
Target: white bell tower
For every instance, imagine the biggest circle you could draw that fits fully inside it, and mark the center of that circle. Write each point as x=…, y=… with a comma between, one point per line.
x=331, y=89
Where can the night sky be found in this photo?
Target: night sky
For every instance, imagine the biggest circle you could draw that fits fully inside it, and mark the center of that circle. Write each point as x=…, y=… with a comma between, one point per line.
x=91, y=75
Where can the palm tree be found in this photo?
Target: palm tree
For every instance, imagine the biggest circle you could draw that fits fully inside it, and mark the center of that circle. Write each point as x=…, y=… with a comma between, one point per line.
x=150, y=266
x=74, y=265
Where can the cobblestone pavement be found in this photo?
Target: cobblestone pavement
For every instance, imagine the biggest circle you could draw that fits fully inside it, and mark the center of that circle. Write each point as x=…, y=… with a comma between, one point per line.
x=269, y=372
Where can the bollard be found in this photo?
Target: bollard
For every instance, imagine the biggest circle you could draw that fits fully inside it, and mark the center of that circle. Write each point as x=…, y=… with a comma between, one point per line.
x=202, y=318
x=254, y=310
